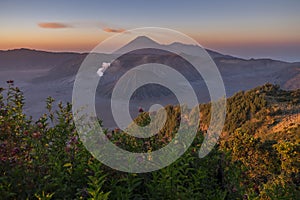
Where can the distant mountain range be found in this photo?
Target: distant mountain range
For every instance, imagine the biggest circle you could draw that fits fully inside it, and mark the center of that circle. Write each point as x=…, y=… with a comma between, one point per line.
x=63, y=64
x=43, y=74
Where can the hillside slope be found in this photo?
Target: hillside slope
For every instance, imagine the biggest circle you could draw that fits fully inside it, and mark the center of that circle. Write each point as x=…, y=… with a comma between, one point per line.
x=266, y=112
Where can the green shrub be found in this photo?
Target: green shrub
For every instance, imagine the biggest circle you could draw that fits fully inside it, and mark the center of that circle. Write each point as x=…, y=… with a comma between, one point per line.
x=46, y=159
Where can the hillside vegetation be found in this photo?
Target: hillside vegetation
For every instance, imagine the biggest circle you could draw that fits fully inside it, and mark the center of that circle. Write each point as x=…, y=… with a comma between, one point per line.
x=257, y=156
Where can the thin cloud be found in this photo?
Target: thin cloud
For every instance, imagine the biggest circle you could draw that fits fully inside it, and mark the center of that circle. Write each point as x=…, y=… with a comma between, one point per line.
x=113, y=30
x=54, y=25
x=59, y=25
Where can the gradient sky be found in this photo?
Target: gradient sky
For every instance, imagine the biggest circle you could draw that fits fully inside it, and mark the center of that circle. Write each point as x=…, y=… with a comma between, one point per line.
x=266, y=28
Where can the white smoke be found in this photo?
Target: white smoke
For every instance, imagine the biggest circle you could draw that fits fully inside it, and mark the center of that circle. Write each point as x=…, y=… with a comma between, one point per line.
x=101, y=70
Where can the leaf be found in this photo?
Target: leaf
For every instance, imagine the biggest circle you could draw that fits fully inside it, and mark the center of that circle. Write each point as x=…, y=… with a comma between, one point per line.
x=67, y=165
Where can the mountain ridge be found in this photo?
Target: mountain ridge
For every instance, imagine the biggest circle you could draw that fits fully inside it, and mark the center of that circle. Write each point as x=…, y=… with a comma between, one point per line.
x=42, y=73
x=142, y=40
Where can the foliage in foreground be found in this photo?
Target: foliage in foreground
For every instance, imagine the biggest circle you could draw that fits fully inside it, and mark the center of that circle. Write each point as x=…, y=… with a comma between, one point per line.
x=46, y=160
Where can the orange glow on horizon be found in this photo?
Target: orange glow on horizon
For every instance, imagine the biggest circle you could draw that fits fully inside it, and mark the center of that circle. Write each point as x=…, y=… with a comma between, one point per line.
x=79, y=40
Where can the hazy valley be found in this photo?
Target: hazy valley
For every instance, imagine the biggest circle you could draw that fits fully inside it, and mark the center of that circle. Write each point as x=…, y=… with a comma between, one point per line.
x=41, y=74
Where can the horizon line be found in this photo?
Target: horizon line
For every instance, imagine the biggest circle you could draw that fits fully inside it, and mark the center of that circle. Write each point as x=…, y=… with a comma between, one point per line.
x=87, y=52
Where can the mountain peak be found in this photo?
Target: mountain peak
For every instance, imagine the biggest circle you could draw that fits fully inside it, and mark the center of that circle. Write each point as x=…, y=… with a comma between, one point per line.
x=143, y=40
x=137, y=43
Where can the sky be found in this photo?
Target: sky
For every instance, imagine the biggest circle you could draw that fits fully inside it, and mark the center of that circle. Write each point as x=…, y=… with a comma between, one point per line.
x=257, y=28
